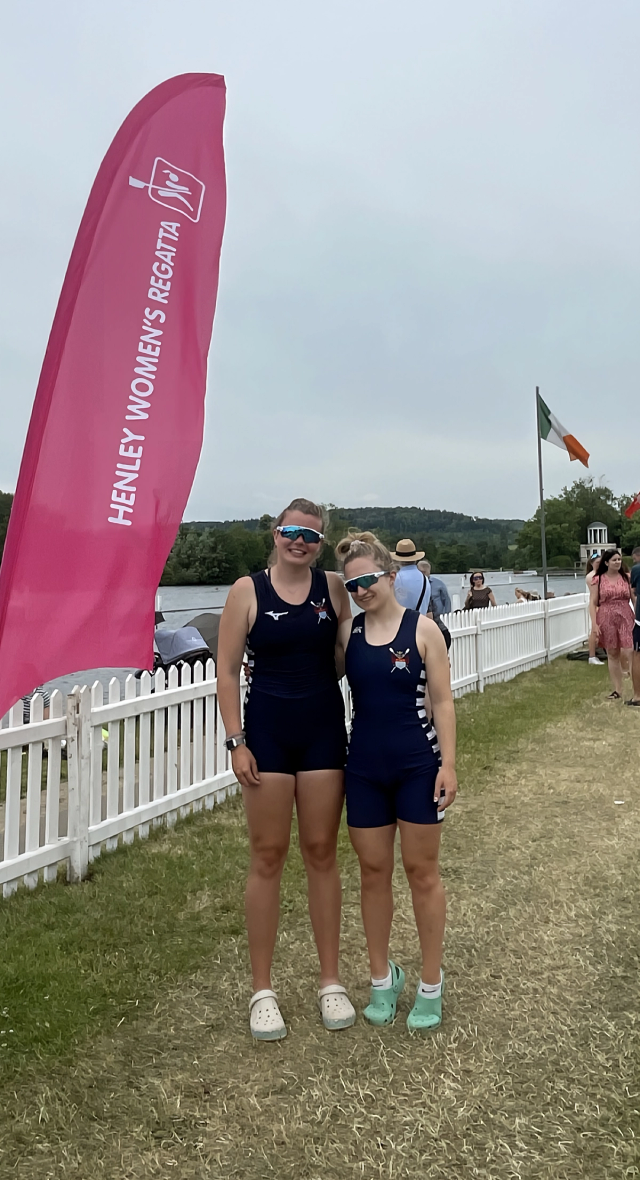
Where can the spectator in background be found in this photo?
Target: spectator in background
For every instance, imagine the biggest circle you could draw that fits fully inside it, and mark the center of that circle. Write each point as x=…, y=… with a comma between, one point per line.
x=479, y=595
x=612, y=618
x=411, y=585
x=592, y=569
x=635, y=595
x=440, y=598
x=526, y=595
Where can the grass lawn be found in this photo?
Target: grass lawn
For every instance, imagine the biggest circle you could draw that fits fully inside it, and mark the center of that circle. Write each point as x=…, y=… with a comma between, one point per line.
x=124, y=1048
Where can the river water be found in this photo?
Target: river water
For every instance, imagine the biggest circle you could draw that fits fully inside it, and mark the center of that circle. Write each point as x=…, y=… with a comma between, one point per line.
x=179, y=604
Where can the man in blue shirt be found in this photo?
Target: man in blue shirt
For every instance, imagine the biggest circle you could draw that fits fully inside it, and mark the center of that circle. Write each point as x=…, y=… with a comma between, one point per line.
x=635, y=594
x=411, y=585
x=440, y=598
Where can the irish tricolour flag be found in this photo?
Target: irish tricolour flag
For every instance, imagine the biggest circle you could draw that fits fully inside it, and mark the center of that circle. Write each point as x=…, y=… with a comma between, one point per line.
x=554, y=432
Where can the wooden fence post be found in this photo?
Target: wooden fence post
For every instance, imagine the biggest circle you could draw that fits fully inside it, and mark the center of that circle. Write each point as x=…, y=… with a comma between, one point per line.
x=78, y=770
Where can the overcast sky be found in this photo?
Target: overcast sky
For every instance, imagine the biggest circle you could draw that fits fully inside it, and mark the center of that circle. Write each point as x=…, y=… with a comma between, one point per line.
x=432, y=208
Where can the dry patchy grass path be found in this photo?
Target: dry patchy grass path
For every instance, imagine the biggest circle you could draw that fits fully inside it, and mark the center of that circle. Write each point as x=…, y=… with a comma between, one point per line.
x=536, y=1070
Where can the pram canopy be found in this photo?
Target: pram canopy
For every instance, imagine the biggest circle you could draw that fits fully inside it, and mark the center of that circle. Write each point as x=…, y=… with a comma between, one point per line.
x=181, y=644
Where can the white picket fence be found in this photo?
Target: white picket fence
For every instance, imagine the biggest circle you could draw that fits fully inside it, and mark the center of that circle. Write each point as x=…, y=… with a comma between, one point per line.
x=147, y=757
x=132, y=762
x=502, y=641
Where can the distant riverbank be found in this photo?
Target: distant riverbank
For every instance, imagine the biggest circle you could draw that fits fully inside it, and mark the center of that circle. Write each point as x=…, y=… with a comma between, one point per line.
x=177, y=602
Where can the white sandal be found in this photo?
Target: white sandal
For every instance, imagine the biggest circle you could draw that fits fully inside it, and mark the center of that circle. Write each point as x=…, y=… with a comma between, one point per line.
x=336, y=1007
x=265, y=1017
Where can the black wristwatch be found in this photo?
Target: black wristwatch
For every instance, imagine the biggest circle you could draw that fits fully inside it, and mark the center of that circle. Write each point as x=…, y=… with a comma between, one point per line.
x=238, y=739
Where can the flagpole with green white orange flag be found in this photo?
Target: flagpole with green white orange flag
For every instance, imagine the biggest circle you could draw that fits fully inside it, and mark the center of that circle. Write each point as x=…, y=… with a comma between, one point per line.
x=551, y=430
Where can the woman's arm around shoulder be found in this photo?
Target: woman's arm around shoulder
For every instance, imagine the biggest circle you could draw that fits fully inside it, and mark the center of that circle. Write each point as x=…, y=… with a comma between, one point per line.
x=339, y=598
x=433, y=650
x=342, y=607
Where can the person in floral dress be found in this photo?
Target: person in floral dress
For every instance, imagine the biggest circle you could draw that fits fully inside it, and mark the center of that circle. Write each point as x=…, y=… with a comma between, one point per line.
x=612, y=615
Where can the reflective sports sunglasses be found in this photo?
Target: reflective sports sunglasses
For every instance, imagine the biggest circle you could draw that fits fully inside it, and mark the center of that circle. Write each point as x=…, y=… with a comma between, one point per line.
x=366, y=581
x=293, y=532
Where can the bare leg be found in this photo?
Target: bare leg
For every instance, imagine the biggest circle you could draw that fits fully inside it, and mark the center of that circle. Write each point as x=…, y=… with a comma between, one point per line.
x=626, y=654
x=269, y=809
x=615, y=670
x=319, y=800
x=420, y=845
x=635, y=672
x=593, y=643
x=374, y=849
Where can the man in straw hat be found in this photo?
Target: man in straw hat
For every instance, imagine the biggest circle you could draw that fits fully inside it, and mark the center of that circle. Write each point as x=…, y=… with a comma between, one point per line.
x=412, y=587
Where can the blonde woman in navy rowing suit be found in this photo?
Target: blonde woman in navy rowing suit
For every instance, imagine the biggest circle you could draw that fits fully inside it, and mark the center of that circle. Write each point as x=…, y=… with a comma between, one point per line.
x=292, y=748
x=400, y=771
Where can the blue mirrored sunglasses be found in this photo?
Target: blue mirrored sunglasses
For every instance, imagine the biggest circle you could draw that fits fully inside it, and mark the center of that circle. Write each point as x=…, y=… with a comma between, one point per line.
x=366, y=581
x=293, y=532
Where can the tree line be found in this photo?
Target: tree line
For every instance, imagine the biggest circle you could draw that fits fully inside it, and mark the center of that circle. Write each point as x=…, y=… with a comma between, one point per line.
x=566, y=519
x=6, y=500
x=219, y=552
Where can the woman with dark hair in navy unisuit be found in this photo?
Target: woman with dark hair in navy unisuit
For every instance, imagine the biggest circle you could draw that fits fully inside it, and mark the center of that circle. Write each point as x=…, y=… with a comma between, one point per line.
x=292, y=748
x=400, y=771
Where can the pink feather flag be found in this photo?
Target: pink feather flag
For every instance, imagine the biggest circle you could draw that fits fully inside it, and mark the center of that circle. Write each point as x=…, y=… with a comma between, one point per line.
x=117, y=423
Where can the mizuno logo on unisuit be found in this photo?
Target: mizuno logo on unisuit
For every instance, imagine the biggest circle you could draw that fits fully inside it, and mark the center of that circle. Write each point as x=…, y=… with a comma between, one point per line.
x=174, y=188
x=276, y=614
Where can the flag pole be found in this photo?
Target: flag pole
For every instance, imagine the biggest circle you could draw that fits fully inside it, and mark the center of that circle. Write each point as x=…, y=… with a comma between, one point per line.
x=543, y=538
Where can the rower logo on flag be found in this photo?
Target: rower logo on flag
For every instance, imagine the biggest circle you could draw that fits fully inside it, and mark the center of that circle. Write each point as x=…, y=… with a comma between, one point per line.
x=173, y=187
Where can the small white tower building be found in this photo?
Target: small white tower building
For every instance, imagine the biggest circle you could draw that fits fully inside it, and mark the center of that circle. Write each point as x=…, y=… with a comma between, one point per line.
x=597, y=540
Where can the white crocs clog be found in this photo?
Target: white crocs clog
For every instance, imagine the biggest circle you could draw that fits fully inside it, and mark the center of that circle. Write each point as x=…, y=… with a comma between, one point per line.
x=265, y=1017
x=336, y=1007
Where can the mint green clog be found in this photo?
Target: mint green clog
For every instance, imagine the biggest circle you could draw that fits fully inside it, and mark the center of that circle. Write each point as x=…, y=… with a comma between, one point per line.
x=426, y=1013
x=381, y=1008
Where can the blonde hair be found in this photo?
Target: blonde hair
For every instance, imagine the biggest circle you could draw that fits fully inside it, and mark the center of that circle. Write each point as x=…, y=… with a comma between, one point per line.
x=307, y=508
x=364, y=545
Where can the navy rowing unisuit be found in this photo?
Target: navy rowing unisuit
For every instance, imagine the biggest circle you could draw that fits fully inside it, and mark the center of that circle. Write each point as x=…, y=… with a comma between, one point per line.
x=294, y=711
x=394, y=756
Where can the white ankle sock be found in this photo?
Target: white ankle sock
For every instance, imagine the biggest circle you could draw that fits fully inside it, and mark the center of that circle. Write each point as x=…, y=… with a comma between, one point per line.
x=386, y=982
x=431, y=990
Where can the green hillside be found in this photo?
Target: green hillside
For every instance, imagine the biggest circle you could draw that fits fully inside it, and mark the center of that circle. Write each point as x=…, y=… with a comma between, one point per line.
x=451, y=540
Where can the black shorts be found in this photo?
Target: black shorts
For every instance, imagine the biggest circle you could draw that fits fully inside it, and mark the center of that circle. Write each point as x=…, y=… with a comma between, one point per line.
x=636, y=637
x=290, y=734
x=374, y=803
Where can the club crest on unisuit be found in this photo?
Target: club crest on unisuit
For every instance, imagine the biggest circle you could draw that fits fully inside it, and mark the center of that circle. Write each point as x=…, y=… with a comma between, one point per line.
x=399, y=660
x=321, y=610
